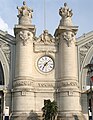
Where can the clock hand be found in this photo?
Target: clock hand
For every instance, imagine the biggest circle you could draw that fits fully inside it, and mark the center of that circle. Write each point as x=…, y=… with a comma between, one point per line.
x=44, y=65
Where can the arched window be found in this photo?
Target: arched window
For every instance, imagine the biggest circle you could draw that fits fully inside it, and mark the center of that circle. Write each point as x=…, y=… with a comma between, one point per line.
x=1, y=75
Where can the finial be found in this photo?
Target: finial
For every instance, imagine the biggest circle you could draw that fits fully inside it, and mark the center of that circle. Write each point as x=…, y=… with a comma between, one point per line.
x=66, y=14
x=24, y=14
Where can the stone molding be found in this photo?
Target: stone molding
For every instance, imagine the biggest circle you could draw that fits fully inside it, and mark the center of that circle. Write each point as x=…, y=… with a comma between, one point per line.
x=45, y=48
x=83, y=50
x=23, y=78
x=27, y=81
x=69, y=93
x=45, y=85
x=6, y=49
x=22, y=83
x=68, y=84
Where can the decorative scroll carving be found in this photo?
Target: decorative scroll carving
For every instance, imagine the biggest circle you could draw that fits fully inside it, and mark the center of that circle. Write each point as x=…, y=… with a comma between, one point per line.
x=24, y=11
x=24, y=36
x=69, y=37
x=45, y=38
x=45, y=85
x=66, y=14
x=6, y=49
x=67, y=84
x=30, y=83
x=22, y=83
x=83, y=51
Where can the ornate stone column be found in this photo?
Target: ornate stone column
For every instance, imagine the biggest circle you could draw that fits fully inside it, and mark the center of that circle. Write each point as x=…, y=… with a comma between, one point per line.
x=23, y=90
x=70, y=106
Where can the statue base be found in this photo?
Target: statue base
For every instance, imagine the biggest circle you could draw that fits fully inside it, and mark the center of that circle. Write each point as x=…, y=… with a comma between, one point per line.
x=25, y=20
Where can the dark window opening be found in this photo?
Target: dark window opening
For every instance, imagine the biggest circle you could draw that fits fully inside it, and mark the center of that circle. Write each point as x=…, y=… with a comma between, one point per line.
x=1, y=75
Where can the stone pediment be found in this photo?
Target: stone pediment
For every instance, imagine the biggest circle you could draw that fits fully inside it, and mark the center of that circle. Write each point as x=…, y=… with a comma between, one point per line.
x=45, y=42
x=45, y=38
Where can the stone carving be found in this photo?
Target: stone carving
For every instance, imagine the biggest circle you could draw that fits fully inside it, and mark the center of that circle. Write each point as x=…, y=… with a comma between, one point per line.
x=66, y=14
x=22, y=83
x=24, y=14
x=6, y=49
x=70, y=93
x=45, y=84
x=24, y=36
x=69, y=37
x=23, y=93
x=83, y=50
x=24, y=11
x=45, y=38
x=67, y=84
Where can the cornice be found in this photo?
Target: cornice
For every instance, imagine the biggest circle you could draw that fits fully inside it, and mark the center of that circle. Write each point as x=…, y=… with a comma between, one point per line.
x=6, y=37
x=84, y=38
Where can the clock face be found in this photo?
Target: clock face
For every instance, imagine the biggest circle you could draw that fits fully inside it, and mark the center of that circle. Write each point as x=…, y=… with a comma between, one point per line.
x=45, y=64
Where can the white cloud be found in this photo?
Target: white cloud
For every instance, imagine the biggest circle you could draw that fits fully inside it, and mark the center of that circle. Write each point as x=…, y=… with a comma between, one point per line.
x=4, y=27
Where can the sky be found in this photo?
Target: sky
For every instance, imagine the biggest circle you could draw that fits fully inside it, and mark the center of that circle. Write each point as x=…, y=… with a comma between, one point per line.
x=82, y=14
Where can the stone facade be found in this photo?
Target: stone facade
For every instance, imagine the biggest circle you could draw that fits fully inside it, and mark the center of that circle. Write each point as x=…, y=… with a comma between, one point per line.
x=29, y=75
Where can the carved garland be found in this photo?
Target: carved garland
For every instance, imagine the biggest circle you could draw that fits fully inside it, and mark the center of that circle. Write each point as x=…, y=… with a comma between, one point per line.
x=30, y=83
x=22, y=83
x=67, y=84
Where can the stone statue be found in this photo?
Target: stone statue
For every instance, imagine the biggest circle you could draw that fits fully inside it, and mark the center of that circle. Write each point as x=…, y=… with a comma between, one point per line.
x=66, y=14
x=24, y=11
x=46, y=38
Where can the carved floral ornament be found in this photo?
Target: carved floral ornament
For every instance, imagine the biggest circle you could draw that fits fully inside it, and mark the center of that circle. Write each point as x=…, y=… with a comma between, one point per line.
x=69, y=37
x=24, y=36
x=45, y=38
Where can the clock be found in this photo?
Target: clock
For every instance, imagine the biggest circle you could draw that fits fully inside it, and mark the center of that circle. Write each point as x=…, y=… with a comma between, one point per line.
x=45, y=64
